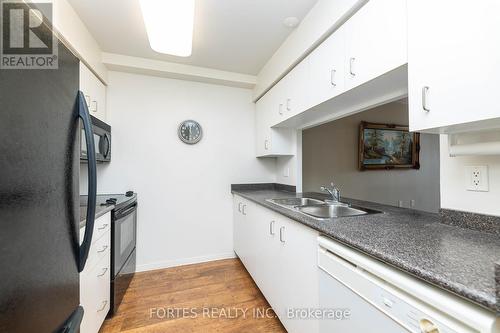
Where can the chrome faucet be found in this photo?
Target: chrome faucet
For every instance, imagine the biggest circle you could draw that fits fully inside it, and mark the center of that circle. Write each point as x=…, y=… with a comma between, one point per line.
x=334, y=192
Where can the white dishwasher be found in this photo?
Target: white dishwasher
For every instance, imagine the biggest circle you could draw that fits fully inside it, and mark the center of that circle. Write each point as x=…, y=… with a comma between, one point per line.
x=374, y=297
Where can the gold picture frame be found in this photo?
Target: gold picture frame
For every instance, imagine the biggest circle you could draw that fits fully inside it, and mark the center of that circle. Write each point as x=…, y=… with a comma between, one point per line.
x=387, y=146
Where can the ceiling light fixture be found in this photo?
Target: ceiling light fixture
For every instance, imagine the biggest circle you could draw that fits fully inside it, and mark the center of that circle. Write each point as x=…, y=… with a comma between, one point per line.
x=169, y=25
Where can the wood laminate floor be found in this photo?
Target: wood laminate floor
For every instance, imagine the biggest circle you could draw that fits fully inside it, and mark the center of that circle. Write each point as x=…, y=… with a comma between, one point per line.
x=218, y=296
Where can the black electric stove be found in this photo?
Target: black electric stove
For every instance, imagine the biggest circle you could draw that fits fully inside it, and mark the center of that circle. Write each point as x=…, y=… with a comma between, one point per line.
x=123, y=243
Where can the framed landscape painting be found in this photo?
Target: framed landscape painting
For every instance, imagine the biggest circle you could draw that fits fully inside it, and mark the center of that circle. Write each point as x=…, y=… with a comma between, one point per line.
x=386, y=147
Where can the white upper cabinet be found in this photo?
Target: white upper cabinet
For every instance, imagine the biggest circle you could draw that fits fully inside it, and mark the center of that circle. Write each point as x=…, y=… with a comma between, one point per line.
x=94, y=91
x=290, y=95
x=271, y=142
x=443, y=54
x=327, y=69
x=296, y=90
x=373, y=42
x=276, y=101
x=376, y=41
x=453, y=65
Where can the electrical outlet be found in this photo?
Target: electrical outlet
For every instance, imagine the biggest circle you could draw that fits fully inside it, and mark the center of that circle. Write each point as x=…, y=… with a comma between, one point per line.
x=412, y=203
x=477, y=178
x=286, y=172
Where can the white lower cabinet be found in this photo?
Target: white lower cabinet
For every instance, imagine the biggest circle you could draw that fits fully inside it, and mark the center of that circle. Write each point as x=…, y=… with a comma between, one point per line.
x=95, y=278
x=281, y=256
x=242, y=237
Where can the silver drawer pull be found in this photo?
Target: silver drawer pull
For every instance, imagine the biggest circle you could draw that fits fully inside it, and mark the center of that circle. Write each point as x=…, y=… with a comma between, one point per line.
x=351, y=66
x=425, y=92
x=104, y=226
x=104, y=303
x=332, y=77
x=243, y=210
x=239, y=207
x=104, y=270
x=271, y=227
x=288, y=104
x=104, y=248
x=280, y=110
x=282, y=234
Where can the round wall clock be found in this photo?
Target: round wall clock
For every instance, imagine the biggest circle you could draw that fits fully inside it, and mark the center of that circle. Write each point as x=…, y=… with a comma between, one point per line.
x=190, y=132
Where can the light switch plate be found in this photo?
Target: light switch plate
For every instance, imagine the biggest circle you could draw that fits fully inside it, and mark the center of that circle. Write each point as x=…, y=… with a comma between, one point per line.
x=476, y=178
x=286, y=172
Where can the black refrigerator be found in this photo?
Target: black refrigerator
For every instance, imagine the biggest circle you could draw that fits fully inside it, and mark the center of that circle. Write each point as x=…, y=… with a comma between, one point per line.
x=40, y=252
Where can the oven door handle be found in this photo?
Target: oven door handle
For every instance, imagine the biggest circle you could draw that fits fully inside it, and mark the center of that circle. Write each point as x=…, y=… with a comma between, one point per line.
x=121, y=214
x=83, y=113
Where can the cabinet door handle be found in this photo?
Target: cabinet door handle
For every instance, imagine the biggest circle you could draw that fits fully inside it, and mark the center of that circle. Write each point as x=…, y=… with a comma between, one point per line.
x=282, y=234
x=266, y=144
x=104, y=270
x=288, y=104
x=332, y=77
x=425, y=92
x=104, y=226
x=239, y=207
x=104, y=248
x=271, y=227
x=351, y=66
x=280, y=109
x=104, y=303
x=243, y=210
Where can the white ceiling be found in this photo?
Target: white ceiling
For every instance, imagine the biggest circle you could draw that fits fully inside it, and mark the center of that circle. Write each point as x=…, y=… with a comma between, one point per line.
x=231, y=35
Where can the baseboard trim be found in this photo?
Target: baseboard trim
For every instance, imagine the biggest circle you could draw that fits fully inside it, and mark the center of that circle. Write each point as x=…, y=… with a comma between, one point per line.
x=183, y=261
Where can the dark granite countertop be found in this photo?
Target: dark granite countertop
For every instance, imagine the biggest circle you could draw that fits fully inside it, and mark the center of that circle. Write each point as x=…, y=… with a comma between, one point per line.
x=458, y=260
x=101, y=208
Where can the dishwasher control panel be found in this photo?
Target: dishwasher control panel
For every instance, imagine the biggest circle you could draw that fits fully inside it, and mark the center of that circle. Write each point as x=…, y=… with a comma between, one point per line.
x=414, y=319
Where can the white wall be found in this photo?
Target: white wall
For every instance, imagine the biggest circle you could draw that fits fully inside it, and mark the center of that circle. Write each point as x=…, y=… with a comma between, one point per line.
x=289, y=168
x=330, y=152
x=185, y=204
x=453, y=181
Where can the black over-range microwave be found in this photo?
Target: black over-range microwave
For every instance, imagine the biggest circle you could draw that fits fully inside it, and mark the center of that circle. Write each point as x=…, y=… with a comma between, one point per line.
x=102, y=141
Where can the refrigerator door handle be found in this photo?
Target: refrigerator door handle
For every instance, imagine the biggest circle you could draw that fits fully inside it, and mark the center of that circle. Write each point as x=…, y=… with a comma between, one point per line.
x=83, y=113
x=72, y=324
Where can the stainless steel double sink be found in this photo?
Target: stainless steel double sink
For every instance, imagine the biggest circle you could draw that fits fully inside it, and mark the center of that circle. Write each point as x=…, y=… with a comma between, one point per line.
x=321, y=209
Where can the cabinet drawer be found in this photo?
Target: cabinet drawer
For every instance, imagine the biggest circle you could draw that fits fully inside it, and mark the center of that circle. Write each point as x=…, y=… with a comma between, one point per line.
x=95, y=295
x=101, y=226
x=98, y=250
